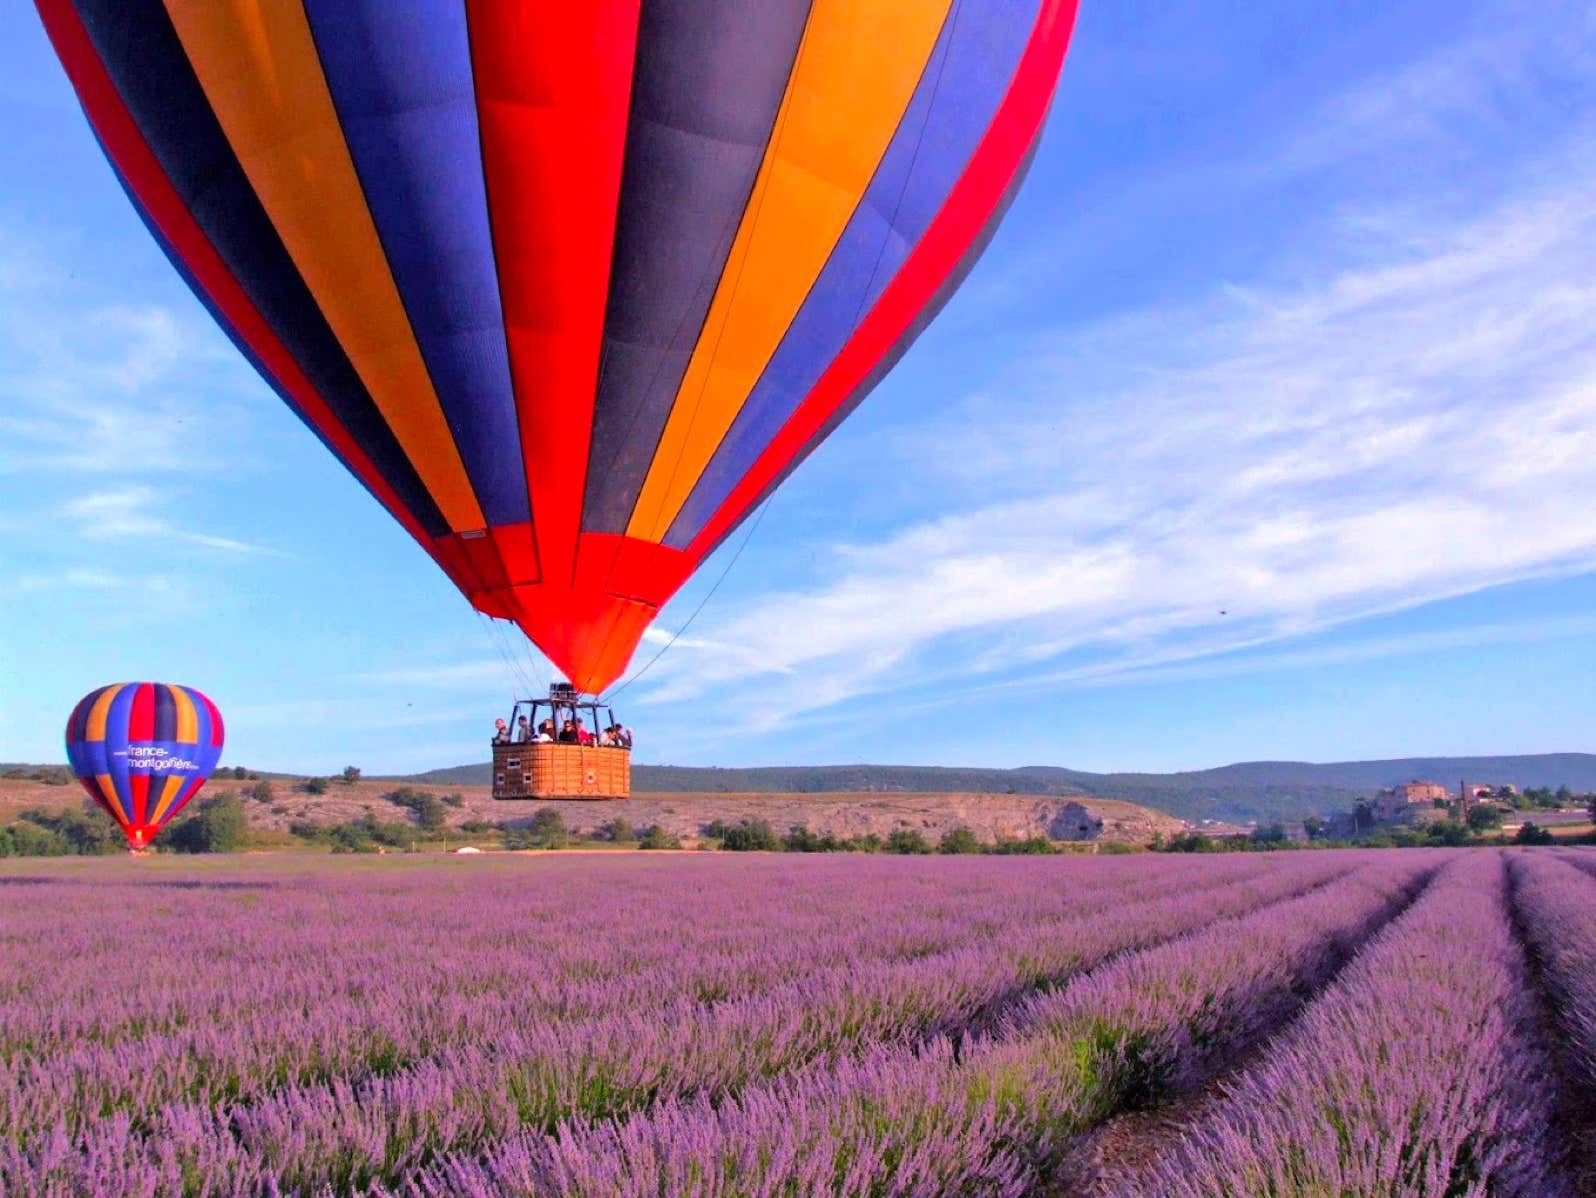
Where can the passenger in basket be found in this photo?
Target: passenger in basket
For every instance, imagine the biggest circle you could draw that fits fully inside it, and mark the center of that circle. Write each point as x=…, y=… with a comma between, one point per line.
x=523, y=731
x=501, y=733
x=583, y=736
x=623, y=736
x=546, y=733
x=607, y=738
x=568, y=732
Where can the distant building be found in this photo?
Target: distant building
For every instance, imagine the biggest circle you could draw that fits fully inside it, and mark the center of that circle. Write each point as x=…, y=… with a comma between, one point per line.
x=1487, y=790
x=1420, y=792
x=1400, y=804
x=1408, y=805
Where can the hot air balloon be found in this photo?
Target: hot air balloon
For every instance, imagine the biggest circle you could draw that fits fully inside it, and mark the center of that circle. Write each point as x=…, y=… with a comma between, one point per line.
x=141, y=750
x=569, y=287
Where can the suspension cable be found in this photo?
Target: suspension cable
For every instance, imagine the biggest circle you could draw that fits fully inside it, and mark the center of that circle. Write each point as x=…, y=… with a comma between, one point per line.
x=753, y=525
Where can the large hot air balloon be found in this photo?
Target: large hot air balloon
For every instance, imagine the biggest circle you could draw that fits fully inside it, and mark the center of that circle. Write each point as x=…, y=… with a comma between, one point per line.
x=569, y=285
x=141, y=750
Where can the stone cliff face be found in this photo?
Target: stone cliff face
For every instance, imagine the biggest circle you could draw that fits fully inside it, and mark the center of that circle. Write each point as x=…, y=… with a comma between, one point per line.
x=1075, y=822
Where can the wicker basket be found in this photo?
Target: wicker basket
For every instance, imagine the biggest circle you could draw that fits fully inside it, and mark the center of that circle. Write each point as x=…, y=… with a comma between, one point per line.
x=545, y=771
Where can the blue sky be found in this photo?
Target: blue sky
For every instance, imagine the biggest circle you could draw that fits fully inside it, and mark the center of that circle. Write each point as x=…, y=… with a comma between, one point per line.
x=1265, y=429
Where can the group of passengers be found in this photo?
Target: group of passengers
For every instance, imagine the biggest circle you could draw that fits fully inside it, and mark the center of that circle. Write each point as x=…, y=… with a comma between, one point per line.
x=572, y=732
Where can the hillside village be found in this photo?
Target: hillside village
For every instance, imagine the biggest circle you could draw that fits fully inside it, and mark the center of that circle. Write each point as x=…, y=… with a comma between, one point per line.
x=1420, y=803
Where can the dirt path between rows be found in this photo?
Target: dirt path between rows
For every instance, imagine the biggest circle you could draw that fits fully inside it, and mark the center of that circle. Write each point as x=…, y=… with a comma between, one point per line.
x=1102, y=1159
x=1574, y=1116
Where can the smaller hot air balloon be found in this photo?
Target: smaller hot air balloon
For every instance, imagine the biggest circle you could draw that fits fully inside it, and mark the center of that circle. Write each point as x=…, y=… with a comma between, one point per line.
x=141, y=750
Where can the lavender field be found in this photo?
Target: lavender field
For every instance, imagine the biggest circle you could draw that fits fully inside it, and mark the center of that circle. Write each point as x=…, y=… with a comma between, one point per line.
x=1333, y=1023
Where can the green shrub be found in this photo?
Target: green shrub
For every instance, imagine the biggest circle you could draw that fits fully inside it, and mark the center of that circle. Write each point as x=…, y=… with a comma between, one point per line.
x=1031, y=845
x=1191, y=842
x=260, y=791
x=1531, y=833
x=656, y=837
x=748, y=836
x=547, y=830
x=1270, y=834
x=87, y=831
x=351, y=838
x=218, y=825
x=960, y=840
x=1484, y=819
x=1114, y=848
x=800, y=839
x=27, y=839
x=907, y=841
x=429, y=810
x=314, y=786
x=350, y=776
x=391, y=833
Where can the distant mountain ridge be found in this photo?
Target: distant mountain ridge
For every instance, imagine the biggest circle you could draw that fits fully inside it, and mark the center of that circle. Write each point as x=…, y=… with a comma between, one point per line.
x=1248, y=790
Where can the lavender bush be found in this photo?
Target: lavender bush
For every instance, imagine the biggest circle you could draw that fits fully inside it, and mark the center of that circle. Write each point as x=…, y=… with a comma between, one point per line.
x=999, y=1111
x=1558, y=905
x=396, y=1010
x=248, y=1007
x=1412, y=1076
x=644, y=1026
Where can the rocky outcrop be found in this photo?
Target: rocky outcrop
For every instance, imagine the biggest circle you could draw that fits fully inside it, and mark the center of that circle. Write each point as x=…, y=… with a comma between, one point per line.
x=1075, y=822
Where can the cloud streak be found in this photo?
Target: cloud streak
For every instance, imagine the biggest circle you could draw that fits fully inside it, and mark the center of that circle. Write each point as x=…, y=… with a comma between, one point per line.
x=100, y=389
x=1412, y=421
x=130, y=513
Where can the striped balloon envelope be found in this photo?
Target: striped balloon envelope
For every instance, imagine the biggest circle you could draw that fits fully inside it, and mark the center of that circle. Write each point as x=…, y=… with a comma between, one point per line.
x=569, y=285
x=141, y=750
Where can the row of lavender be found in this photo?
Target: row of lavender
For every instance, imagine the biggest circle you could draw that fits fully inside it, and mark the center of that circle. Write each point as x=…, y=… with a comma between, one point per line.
x=1426, y=1068
x=1417, y=1072
x=227, y=991
x=1423, y=1069
x=876, y=1074
x=1560, y=904
x=666, y=981
x=993, y=1117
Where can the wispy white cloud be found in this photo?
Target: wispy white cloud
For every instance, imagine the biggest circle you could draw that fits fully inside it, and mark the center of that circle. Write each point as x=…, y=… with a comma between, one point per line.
x=1413, y=419
x=78, y=579
x=132, y=513
x=737, y=656
x=1212, y=662
x=1453, y=100
x=110, y=601
x=94, y=384
x=106, y=388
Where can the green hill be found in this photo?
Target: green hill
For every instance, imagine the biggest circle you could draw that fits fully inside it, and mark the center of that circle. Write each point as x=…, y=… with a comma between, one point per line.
x=1261, y=790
